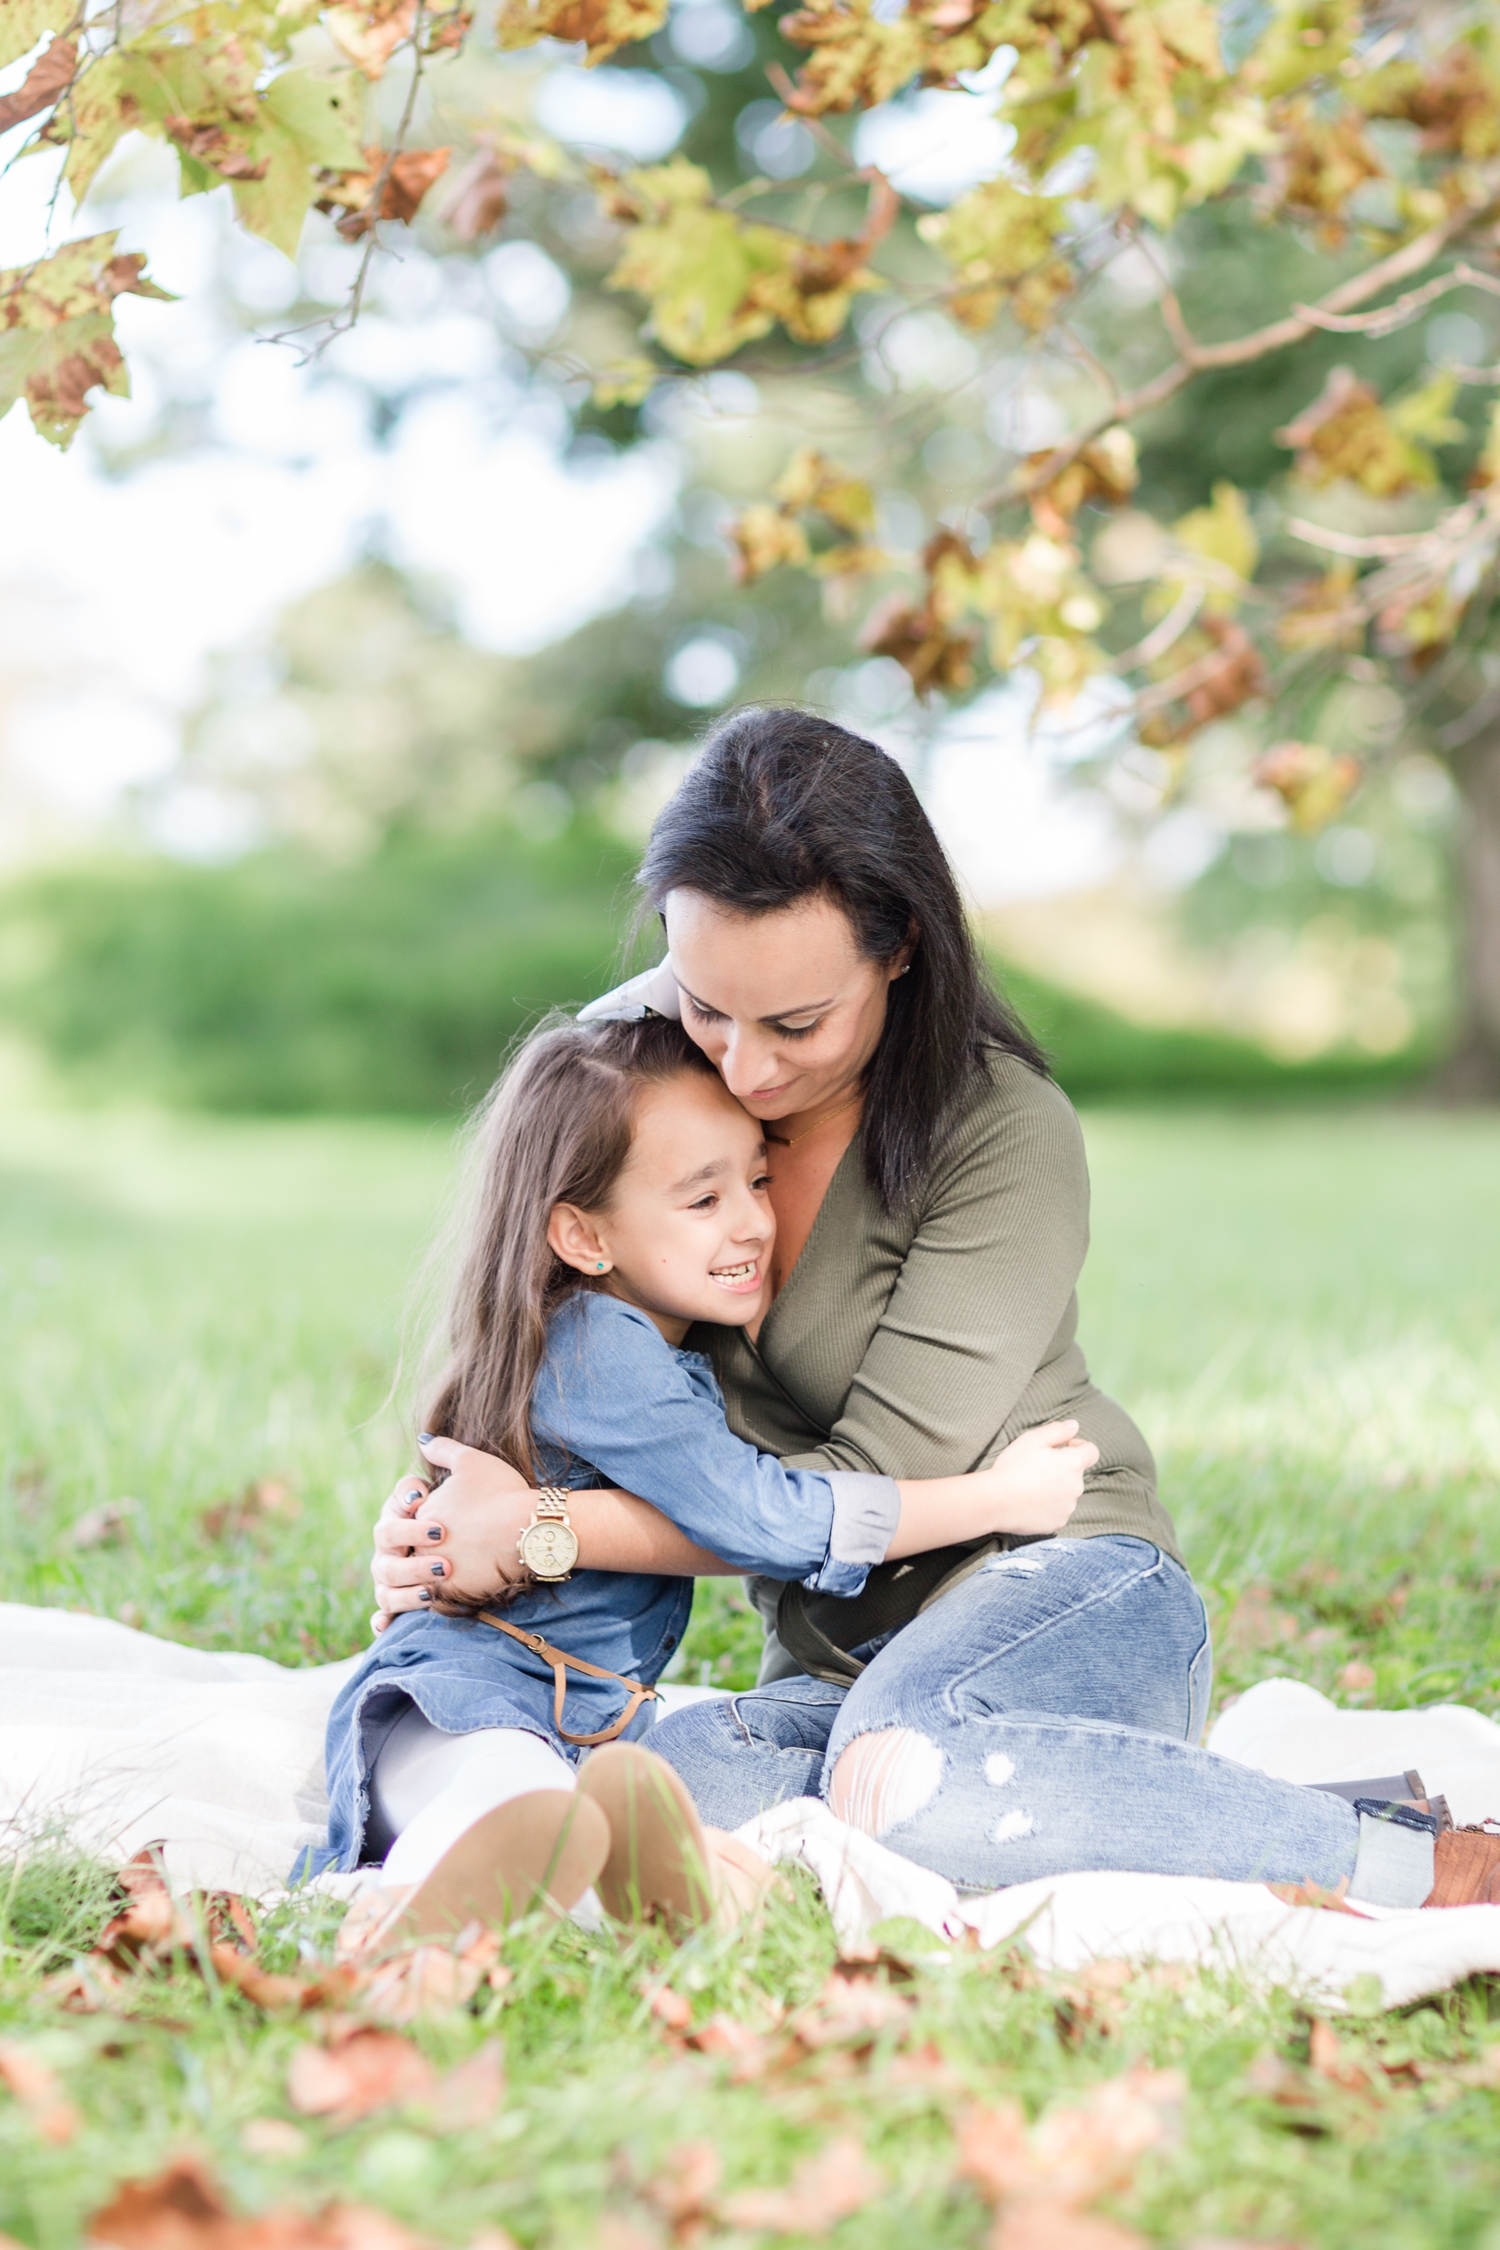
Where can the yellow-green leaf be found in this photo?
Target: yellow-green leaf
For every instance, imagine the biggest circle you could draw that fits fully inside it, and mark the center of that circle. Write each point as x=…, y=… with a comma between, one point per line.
x=1427, y=414
x=23, y=23
x=1223, y=534
x=276, y=206
x=322, y=115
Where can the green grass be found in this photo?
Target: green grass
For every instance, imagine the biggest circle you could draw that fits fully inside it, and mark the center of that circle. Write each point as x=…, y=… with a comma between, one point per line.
x=1303, y=1309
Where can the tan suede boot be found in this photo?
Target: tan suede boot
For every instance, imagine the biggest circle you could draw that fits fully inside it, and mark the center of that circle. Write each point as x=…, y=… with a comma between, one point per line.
x=1465, y=1868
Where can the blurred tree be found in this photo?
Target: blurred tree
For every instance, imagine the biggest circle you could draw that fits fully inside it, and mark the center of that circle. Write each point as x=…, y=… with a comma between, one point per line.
x=1094, y=421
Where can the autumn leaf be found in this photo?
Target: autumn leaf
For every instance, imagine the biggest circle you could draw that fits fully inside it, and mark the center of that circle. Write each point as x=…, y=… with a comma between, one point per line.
x=24, y=22
x=472, y=2091
x=1002, y=243
x=1076, y=2151
x=1219, y=669
x=851, y=2011
x=828, y=2187
x=1053, y=2226
x=268, y=1500
x=47, y=78
x=1347, y=433
x=370, y=35
x=1104, y=472
x=108, y=1525
x=477, y=197
x=683, y=2186
x=357, y=2071
x=57, y=331
x=36, y=2087
x=1311, y=782
x=1224, y=537
x=184, y=2208
x=407, y=179
x=603, y=26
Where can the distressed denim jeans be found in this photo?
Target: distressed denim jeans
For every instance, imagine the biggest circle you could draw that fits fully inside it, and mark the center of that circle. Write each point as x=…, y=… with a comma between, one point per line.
x=1055, y=1699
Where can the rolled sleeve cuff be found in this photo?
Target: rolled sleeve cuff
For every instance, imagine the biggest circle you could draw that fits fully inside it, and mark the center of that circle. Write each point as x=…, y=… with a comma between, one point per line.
x=866, y=1511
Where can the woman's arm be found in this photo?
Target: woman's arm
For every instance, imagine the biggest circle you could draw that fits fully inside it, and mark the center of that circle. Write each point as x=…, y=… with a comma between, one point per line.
x=470, y=1524
x=460, y=1539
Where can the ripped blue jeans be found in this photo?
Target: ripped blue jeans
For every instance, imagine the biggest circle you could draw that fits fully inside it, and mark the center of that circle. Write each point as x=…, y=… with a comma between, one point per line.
x=1040, y=1718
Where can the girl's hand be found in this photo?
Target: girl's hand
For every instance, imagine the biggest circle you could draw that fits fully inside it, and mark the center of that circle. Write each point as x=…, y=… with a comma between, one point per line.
x=459, y=1540
x=1037, y=1482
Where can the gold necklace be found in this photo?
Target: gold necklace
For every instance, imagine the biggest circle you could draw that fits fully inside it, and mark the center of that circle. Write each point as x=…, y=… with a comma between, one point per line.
x=783, y=1140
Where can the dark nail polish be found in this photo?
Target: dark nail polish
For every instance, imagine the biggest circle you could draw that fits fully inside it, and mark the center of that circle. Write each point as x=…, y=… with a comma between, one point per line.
x=425, y=1595
x=415, y=1498
x=424, y=1437
x=439, y=1570
x=434, y=1531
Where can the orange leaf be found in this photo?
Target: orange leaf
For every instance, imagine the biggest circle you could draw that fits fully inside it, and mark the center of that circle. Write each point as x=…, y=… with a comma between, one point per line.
x=1054, y=2226
x=361, y=2072
x=683, y=2188
x=472, y=2091
x=37, y=2089
x=825, y=2189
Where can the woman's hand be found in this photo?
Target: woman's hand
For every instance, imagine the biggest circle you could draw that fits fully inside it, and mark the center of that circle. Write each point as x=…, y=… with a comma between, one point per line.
x=459, y=1540
x=1037, y=1482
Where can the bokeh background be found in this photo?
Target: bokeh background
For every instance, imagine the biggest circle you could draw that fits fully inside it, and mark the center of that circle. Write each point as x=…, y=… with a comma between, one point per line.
x=337, y=693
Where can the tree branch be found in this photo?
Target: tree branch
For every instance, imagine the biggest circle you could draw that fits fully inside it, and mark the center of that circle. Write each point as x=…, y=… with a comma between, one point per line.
x=1388, y=318
x=1196, y=359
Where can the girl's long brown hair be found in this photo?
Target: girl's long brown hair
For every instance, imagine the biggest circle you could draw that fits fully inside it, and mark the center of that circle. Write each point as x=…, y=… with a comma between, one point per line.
x=557, y=1128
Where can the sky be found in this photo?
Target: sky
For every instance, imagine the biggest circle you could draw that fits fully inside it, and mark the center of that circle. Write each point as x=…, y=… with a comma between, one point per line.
x=121, y=574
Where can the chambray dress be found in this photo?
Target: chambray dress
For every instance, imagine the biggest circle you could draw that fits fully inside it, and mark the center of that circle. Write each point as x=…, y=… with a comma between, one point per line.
x=614, y=1404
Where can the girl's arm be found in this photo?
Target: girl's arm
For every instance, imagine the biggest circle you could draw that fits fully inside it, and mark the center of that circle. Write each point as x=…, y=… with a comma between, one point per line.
x=470, y=1524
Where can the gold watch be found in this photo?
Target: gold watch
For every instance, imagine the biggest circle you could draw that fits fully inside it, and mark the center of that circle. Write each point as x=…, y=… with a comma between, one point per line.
x=549, y=1545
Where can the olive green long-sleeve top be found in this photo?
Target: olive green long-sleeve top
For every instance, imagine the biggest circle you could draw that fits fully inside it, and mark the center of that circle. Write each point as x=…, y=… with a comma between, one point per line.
x=919, y=1343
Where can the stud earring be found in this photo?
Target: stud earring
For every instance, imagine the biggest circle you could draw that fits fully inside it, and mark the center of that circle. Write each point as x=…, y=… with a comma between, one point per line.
x=601, y=1265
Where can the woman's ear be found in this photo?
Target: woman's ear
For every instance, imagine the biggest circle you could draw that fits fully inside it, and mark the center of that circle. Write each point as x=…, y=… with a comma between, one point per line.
x=575, y=1238
x=900, y=960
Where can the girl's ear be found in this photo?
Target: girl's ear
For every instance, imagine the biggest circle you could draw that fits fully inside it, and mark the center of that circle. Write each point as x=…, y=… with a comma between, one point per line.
x=575, y=1239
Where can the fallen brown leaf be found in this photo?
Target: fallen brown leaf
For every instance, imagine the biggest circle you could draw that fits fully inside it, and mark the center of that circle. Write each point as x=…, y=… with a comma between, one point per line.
x=104, y=1526
x=273, y=2136
x=1356, y=1678
x=668, y=2007
x=359, y=2071
x=683, y=2187
x=1326, y=2056
x=266, y=1500
x=183, y=2208
x=38, y=2090
x=1056, y=2226
x=1076, y=2151
x=473, y=2090
x=827, y=2188
x=725, y=2038
x=851, y=2011
x=1279, y=2081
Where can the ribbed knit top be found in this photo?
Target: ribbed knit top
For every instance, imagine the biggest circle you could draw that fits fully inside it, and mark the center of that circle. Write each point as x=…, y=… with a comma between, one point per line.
x=917, y=1344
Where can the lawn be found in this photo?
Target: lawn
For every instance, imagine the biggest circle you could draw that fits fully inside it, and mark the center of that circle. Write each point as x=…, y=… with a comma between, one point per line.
x=1301, y=1308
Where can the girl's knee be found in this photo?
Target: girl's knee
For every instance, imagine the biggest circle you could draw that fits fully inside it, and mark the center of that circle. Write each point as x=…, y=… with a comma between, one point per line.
x=882, y=1779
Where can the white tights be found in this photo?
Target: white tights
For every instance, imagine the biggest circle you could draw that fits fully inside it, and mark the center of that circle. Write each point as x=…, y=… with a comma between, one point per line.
x=427, y=1787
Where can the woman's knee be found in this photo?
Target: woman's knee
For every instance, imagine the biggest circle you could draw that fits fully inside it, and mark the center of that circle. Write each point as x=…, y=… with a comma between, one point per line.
x=882, y=1779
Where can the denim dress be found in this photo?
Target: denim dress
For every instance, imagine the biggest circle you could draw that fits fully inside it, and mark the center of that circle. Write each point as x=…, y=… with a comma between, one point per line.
x=614, y=1405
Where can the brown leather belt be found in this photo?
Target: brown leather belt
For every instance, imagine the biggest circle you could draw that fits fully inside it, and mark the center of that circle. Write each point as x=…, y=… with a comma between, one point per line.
x=559, y=1660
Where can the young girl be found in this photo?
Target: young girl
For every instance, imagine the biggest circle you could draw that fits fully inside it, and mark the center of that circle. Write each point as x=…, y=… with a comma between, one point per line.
x=620, y=1197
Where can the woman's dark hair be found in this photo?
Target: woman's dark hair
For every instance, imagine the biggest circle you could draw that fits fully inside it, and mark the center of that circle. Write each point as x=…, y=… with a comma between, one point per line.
x=780, y=806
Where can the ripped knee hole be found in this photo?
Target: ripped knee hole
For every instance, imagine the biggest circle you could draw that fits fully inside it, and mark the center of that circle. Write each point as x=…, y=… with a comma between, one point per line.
x=882, y=1779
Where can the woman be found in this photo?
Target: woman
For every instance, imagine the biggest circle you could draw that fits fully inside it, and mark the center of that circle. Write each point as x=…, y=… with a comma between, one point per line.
x=1001, y=1712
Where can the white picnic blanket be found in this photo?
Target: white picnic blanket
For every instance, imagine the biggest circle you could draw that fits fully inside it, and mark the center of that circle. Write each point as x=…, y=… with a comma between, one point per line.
x=125, y=1740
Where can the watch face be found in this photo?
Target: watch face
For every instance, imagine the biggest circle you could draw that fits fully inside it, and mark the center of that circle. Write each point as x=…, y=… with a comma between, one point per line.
x=549, y=1550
